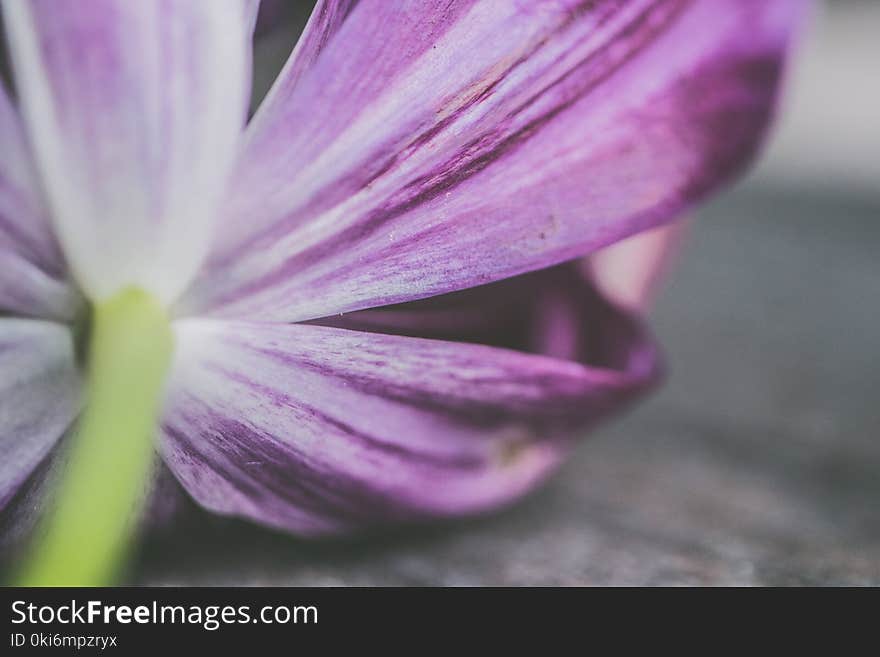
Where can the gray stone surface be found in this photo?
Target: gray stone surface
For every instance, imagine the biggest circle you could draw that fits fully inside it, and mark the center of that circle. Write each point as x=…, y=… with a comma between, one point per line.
x=758, y=463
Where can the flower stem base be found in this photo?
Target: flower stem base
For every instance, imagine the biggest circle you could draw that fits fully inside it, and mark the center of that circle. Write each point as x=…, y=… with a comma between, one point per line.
x=103, y=485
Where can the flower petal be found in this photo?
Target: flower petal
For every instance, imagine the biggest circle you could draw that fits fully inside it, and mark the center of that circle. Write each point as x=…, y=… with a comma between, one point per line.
x=319, y=429
x=27, y=290
x=326, y=19
x=39, y=387
x=432, y=148
x=21, y=513
x=134, y=110
x=33, y=269
x=631, y=272
x=251, y=13
x=23, y=224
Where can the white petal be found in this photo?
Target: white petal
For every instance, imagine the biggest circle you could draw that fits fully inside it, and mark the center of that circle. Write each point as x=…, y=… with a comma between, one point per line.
x=31, y=267
x=134, y=110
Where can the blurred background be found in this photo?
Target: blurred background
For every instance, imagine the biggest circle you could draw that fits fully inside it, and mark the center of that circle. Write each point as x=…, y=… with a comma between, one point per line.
x=759, y=460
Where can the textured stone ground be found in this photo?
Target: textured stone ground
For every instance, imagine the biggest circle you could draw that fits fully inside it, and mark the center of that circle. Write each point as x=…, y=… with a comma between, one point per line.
x=758, y=463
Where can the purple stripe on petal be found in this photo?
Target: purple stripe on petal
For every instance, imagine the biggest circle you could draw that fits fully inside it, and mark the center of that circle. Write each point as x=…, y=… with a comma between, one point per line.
x=318, y=428
x=430, y=149
x=39, y=389
x=134, y=110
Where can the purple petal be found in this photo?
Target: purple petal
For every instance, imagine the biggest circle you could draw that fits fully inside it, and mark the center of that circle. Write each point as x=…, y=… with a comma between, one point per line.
x=134, y=110
x=33, y=270
x=432, y=148
x=317, y=429
x=27, y=290
x=20, y=514
x=326, y=19
x=39, y=388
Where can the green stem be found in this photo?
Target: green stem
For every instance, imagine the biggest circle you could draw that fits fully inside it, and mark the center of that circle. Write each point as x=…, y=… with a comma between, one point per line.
x=103, y=486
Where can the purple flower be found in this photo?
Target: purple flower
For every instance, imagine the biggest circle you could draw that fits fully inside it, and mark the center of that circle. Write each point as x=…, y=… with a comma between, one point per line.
x=378, y=311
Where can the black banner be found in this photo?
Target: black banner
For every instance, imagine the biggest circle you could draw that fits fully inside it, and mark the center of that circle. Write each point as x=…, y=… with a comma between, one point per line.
x=124, y=619
x=133, y=620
